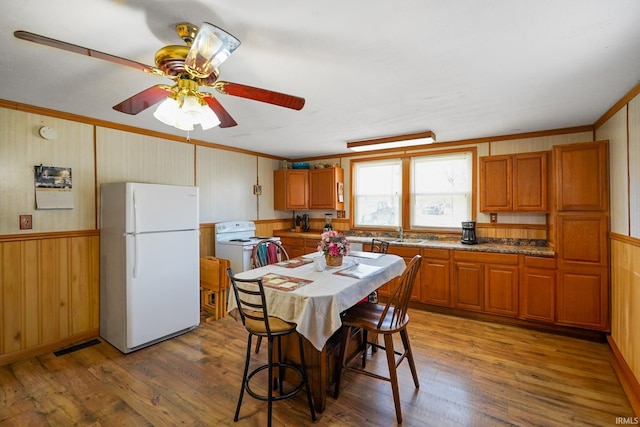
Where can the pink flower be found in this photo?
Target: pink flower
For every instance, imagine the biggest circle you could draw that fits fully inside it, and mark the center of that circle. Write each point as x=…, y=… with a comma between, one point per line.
x=334, y=243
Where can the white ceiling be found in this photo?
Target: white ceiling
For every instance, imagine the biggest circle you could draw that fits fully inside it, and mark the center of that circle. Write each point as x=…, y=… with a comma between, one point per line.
x=367, y=69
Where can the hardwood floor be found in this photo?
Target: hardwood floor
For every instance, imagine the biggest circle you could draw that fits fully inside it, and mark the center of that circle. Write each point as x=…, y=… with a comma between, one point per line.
x=471, y=374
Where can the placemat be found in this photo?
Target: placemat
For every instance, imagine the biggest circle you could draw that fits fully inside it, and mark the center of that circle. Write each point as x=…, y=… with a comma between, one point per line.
x=294, y=262
x=283, y=283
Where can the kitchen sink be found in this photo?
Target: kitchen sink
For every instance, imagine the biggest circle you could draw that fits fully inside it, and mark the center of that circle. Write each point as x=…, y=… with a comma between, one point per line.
x=406, y=241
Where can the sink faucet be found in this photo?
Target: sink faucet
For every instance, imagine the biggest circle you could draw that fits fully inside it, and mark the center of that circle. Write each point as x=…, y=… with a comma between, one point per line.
x=400, y=232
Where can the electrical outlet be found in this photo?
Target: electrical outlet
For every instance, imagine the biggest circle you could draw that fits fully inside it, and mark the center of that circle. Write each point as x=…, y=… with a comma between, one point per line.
x=493, y=217
x=257, y=190
x=25, y=222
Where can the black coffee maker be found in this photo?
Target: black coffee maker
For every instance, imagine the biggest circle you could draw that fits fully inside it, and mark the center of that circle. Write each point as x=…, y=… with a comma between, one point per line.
x=468, y=233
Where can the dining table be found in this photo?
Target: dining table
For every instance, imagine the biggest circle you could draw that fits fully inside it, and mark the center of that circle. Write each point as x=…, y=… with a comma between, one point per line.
x=306, y=292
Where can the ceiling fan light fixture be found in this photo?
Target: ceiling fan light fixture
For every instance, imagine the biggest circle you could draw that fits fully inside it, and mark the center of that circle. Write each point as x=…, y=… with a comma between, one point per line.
x=186, y=112
x=211, y=47
x=208, y=118
x=399, y=141
x=167, y=111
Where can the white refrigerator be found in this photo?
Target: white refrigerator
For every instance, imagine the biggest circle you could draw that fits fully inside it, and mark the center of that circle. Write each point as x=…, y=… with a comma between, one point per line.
x=149, y=263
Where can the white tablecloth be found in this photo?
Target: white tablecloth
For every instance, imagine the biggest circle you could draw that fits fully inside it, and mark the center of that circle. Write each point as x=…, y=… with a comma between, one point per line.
x=315, y=308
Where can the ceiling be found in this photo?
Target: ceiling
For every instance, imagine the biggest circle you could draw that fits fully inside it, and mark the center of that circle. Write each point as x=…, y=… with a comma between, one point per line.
x=367, y=69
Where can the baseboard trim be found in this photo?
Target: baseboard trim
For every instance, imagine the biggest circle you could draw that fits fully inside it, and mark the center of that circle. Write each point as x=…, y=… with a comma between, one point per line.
x=629, y=382
x=49, y=347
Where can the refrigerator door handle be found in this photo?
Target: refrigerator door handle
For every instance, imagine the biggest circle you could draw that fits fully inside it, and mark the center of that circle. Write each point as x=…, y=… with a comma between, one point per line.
x=135, y=213
x=136, y=255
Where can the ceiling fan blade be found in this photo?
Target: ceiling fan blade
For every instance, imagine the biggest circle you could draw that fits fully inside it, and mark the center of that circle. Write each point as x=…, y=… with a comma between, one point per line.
x=143, y=100
x=36, y=38
x=262, y=95
x=226, y=121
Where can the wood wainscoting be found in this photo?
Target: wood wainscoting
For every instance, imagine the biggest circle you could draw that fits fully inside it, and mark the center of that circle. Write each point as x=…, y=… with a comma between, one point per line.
x=49, y=291
x=625, y=306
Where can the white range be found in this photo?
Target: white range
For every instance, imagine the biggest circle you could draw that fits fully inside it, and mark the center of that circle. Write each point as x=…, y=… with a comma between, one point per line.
x=235, y=240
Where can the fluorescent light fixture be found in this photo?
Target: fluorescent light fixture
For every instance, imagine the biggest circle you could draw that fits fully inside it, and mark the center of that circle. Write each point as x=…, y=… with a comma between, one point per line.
x=398, y=141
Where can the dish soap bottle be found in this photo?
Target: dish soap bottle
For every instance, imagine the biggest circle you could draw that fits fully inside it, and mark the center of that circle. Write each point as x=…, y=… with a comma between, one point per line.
x=327, y=225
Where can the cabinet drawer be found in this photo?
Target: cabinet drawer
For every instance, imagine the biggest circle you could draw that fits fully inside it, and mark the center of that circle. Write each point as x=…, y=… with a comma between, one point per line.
x=292, y=241
x=407, y=252
x=486, y=258
x=539, y=262
x=436, y=253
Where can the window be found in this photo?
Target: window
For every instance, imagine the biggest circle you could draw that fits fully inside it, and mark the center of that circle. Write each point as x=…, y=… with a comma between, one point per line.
x=437, y=191
x=441, y=190
x=377, y=193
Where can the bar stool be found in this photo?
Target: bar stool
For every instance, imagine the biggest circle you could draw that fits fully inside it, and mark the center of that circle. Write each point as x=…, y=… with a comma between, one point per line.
x=253, y=312
x=267, y=252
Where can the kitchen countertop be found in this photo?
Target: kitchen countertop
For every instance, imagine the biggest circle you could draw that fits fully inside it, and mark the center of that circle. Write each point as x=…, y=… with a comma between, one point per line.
x=541, y=251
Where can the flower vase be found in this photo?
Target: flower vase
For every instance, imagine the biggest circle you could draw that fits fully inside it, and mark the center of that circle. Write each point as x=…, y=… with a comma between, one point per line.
x=334, y=260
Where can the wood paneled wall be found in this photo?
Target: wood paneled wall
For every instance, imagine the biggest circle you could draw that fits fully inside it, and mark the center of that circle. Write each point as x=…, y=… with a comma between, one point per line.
x=625, y=301
x=621, y=126
x=49, y=293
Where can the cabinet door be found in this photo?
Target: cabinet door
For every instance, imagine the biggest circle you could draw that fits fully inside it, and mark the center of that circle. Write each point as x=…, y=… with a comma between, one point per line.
x=407, y=253
x=468, y=292
x=496, y=184
x=293, y=245
x=323, y=188
x=538, y=294
x=581, y=176
x=501, y=290
x=582, y=239
x=530, y=175
x=297, y=189
x=291, y=189
x=311, y=245
x=435, y=282
x=582, y=298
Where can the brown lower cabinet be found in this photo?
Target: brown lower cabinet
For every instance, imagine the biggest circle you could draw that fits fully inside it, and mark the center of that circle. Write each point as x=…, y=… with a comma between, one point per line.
x=298, y=246
x=407, y=253
x=530, y=288
x=468, y=285
x=486, y=282
x=538, y=289
x=582, y=297
x=435, y=286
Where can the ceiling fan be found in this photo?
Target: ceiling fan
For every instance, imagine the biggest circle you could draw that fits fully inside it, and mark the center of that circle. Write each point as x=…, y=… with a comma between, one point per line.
x=190, y=66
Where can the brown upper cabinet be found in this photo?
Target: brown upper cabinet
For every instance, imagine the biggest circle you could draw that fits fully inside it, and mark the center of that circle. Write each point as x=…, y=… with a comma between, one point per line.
x=296, y=189
x=514, y=183
x=291, y=189
x=581, y=176
x=326, y=188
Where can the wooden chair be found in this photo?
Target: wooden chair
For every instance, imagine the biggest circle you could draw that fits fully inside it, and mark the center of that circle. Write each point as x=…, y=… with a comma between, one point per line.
x=385, y=320
x=253, y=312
x=267, y=252
x=379, y=246
x=214, y=285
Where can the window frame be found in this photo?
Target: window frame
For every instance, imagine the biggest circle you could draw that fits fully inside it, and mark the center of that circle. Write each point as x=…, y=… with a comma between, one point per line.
x=406, y=195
